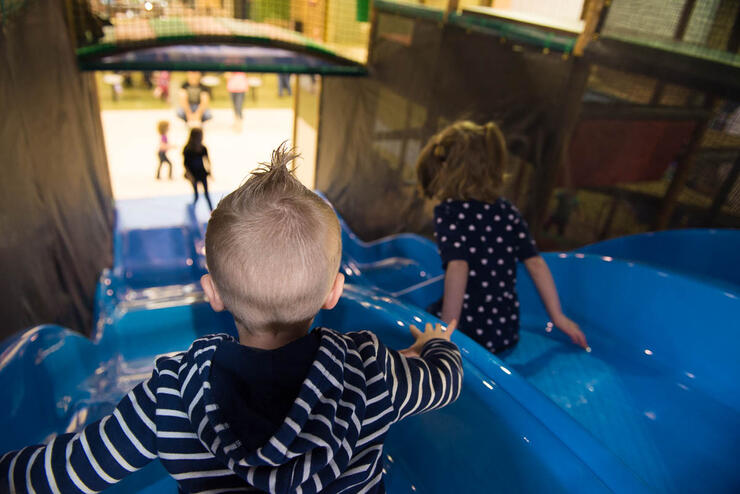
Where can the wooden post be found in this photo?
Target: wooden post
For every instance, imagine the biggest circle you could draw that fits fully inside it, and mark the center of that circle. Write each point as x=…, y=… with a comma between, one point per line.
x=681, y=175
x=373, y=32
x=609, y=218
x=734, y=42
x=326, y=21
x=296, y=100
x=554, y=159
x=723, y=192
x=320, y=96
x=593, y=15
x=452, y=6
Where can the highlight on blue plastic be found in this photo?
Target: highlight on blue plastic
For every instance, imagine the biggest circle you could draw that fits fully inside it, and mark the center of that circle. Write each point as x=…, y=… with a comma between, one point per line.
x=654, y=407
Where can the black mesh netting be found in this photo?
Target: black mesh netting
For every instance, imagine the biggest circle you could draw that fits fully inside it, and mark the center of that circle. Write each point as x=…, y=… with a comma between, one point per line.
x=597, y=150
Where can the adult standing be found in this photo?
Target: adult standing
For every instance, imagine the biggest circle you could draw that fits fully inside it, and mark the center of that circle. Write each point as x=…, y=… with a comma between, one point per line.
x=195, y=98
x=284, y=84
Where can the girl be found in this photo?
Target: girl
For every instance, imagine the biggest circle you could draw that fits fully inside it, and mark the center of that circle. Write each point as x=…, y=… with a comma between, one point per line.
x=195, y=155
x=163, y=126
x=481, y=236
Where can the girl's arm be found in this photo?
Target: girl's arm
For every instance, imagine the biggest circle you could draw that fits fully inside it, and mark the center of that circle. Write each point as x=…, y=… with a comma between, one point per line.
x=542, y=278
x=456, y=281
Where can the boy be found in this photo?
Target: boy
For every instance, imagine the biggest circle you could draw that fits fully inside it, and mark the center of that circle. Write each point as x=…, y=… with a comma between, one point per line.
x=281, y=410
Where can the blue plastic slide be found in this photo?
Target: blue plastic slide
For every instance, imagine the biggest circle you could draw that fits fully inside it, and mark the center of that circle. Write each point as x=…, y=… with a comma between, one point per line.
x=653, y=408
x=713, y=255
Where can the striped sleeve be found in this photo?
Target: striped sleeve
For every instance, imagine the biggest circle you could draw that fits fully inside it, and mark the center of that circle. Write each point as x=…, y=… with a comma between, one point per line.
x=419, y=385
x=93, y=459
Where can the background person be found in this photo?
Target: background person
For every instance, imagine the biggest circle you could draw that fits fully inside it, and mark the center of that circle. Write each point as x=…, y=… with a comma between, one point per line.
x=237, y=84
x=195, y=98
x=195, y=156
x=162, y=127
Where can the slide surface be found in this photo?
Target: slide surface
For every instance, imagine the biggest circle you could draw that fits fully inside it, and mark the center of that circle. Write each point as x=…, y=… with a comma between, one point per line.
x=653, y=408
x=710, y=254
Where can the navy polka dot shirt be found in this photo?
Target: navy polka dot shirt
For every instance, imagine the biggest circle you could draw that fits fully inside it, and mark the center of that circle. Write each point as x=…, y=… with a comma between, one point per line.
x=491, y=237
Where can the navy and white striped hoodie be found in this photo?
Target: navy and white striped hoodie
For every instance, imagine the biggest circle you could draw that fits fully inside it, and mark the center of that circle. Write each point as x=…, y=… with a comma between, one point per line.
x=331, y=440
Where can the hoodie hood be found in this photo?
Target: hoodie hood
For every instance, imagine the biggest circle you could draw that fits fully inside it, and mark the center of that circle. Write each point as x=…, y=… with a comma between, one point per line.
x=314, y=443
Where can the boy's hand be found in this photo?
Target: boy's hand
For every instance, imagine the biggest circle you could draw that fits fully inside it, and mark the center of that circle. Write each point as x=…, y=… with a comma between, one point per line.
x=430, y=333
x=572, y=330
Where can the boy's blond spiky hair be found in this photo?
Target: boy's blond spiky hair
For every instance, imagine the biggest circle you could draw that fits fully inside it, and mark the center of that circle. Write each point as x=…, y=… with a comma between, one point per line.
x=273, y=247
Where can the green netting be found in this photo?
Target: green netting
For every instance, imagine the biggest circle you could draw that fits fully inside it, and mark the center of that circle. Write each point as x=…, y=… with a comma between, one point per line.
x=334, y=28
x=533, y=35
x=530, y=35
x=703, y=28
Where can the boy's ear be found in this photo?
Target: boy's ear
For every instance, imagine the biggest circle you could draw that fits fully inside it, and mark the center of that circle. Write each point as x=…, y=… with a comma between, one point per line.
x=211, y=293
x=336, y=291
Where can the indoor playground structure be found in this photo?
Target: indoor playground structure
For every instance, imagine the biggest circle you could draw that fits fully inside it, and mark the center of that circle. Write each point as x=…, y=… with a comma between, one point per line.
x=622, y=119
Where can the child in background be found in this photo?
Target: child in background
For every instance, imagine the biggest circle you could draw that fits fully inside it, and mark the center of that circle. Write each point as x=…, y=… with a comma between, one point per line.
x=162, y=90
x=163, y=126
x=194, y=156
x=481, y=236
x=237, y=84
x=283, y=409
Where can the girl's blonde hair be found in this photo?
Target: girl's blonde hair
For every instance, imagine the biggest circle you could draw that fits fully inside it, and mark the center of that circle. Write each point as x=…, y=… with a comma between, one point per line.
x=463, y=161
x=163, y=126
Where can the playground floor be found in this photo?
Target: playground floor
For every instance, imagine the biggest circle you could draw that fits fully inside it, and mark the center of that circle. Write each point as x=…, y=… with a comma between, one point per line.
x=131, y=143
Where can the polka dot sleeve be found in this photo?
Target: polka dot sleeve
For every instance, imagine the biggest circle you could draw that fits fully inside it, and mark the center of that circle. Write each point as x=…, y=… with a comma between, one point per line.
x=525, y=245
x=449, y=230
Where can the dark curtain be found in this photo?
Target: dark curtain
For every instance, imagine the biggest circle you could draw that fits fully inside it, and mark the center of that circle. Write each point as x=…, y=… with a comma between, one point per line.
x=56, y=211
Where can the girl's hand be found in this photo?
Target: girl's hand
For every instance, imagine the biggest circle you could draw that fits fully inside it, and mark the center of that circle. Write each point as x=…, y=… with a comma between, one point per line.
x=430, y=333
x=572, y=330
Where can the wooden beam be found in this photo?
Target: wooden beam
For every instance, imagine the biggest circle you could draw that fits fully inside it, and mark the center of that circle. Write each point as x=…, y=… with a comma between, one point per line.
x=681, y=175
x=609, y=221
x=627, y=111
x=373, y=32
x=724, y=190
x=734, y=42
x=683, y=21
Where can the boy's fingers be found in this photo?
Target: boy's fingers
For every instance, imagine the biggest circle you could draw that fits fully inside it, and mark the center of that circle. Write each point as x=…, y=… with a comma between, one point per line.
x=452, y=326
x=415, y=331
x=428, y=327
